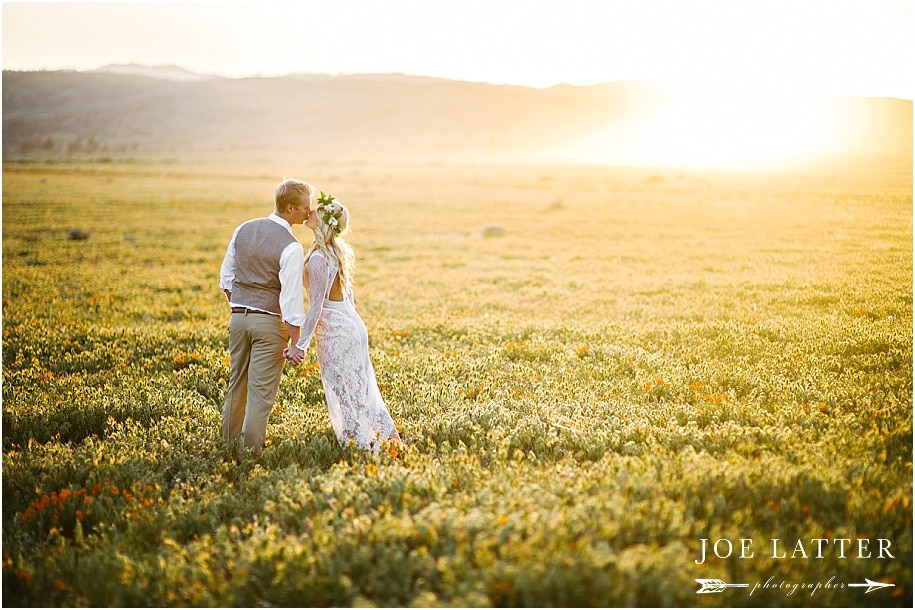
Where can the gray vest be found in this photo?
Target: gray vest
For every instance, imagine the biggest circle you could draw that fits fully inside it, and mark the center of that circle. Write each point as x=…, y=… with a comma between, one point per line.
x=258, y=246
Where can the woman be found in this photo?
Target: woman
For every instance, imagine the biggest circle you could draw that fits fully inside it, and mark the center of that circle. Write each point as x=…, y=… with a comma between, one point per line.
x=357, y=411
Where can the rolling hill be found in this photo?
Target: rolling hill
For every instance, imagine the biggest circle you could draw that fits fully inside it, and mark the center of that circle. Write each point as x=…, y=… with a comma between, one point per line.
x=133, y=110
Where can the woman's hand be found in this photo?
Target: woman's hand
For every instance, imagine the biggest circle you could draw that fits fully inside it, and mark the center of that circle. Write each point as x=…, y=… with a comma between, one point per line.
x=294, y=355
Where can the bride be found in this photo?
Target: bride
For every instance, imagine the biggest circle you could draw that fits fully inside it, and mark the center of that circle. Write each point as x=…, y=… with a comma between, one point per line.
x=358, y=413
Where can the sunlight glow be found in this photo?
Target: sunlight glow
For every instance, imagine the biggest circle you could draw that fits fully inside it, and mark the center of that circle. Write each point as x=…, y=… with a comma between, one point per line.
x=698, y=129
x=752, y=74
x=734, y=132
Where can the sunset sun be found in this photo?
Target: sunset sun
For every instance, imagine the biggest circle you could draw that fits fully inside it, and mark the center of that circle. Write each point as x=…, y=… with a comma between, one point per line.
x=696, y=130
x=733, y=132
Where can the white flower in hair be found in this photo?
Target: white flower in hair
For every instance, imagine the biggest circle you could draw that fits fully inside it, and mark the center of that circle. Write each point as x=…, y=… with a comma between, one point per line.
x=330, y=211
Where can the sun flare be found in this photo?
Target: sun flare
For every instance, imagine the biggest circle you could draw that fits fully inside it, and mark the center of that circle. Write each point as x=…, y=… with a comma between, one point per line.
x=722, y=131
x=735, y=132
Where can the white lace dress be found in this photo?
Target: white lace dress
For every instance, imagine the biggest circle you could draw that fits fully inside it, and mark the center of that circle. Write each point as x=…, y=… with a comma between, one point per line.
x=357, y=411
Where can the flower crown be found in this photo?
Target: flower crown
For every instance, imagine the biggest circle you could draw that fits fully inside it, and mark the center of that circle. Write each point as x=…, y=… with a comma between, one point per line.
x=330, y=212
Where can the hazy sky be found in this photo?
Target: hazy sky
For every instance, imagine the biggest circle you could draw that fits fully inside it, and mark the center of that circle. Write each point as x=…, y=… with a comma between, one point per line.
x=853, y=47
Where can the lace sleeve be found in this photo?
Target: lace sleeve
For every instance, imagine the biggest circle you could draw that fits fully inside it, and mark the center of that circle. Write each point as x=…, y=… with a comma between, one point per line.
x=318, y=285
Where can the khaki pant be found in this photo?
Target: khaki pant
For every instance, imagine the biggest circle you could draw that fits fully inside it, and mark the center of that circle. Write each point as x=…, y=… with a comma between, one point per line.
x=256, y=343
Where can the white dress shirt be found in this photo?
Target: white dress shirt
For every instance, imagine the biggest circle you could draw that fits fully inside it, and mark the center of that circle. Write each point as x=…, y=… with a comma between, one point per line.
x=292, y=270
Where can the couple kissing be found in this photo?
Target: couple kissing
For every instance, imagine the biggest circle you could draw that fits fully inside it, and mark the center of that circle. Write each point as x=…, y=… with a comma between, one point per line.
x=262, y=277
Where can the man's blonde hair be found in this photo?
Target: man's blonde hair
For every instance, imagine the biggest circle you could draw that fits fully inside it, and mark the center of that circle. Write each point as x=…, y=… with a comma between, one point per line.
x=292, y=192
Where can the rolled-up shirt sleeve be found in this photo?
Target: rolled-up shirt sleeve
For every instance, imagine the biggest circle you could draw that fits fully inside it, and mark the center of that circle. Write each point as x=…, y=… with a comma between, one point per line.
x=292, y=292
x=227, y=271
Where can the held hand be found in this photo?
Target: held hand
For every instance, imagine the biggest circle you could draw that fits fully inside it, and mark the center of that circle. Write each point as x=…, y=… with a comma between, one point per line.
x=288, y=356
x=298, y=356
x=294, y=355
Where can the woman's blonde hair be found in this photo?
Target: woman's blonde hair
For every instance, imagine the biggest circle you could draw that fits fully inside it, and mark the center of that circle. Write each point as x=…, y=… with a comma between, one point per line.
x=333, y=224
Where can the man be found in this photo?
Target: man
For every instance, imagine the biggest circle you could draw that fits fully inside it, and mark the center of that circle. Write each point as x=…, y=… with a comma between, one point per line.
x=261, y=277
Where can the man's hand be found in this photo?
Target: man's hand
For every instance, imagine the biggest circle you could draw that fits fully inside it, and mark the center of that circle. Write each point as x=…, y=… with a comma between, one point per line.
x=294, y=355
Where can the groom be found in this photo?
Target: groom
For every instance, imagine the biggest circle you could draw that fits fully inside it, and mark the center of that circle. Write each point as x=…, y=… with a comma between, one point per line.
x=261, y=277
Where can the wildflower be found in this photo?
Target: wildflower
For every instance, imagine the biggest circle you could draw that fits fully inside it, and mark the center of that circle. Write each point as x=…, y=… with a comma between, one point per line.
x=185, y=360
x=502, y=591
x=473, y=392
x=29, y=515
x=501, y=586
x=79, y=516
x=659, y=382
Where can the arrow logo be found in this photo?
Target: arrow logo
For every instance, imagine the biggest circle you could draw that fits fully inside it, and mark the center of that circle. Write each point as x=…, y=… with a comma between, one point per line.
x=715, y=585
x=871, y=585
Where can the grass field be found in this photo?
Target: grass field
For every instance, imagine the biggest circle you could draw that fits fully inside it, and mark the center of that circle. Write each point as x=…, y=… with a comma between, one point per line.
x=594, y=369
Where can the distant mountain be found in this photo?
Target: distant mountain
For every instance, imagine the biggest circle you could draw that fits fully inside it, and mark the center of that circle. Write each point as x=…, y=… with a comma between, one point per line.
x=133, y=110
x=163, y=72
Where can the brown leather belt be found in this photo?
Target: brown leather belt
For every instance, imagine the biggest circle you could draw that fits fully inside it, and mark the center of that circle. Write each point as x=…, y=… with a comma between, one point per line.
x=247, y=310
